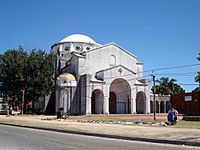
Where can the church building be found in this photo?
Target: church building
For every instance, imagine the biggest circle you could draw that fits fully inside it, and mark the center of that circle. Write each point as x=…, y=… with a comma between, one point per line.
x=95, y=78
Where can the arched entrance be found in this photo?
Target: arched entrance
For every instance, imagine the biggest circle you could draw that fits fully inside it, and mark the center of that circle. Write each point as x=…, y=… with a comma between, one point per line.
x=151, y=106
x=157, y=107
x=97, y=102
x=168, y=106
x=162, y=107
x=119, y=97
x=112, y=103
x=140, y=103
x=63, y=100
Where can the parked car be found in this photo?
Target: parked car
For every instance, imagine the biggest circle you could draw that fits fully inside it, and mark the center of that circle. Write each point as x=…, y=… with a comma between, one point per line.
x=4, y=111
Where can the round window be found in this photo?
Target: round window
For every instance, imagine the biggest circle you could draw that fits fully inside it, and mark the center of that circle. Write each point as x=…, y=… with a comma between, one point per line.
x=87, y=48
x=78, y=48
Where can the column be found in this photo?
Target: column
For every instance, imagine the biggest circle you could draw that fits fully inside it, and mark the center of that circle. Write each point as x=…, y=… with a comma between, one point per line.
x=88, y=105
x=65, y=98
x=88, y=94
x=133, y=101
x=106, y=92
x=60, y=49
x=106, y=105
x=148, y=107
x=158, y=106
x=165, y=107
x=68, y=95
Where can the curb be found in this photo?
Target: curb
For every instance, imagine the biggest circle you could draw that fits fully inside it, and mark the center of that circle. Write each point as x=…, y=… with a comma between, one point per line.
x=163, y=141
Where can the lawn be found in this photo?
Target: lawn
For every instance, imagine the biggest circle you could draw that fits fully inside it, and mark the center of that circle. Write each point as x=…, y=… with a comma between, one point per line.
x=135, y=118
x=147, y=120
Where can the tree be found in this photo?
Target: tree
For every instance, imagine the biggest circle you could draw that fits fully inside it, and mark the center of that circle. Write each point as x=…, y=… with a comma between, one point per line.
x=197, y=78
x=39, y=75
x=197, y=89
x=32, y=72
x=178, y=89
x=168, y=86
x=12, y=67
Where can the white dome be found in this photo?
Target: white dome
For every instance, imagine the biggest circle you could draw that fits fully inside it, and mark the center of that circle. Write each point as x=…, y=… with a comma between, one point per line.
x=78, y=38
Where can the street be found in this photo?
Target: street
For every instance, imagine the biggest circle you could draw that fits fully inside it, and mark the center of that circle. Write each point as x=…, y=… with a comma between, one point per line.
x=17, y=138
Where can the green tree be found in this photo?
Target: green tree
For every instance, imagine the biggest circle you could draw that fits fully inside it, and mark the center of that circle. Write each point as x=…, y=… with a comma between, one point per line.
x=12, y=67
x=168, y=86
x=197, y=89
x=197, y=78
x=32, y=72
x=178, y=89
x=39, y=74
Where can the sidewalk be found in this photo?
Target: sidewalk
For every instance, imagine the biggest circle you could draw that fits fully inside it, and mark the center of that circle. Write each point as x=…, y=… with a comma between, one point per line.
x=169, y=135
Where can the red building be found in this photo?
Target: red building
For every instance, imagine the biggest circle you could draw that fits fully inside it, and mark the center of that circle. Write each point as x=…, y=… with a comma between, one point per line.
x=187, y=103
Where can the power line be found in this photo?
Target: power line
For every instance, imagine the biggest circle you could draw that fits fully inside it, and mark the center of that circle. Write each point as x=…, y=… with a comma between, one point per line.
x=183, y=66
x=188, y=84
x=153, y=70
x=121, y=76
x=158, y=69
x=176, y=67
x=177, y=74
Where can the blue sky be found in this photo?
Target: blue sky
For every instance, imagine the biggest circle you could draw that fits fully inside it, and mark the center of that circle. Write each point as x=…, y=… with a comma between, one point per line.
x=161, y=33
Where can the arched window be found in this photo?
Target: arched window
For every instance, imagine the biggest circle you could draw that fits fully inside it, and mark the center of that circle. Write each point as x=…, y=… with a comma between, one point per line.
x=112, y=60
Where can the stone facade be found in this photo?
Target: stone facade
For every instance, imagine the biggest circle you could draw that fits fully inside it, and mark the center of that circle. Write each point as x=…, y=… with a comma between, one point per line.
x=98, y=79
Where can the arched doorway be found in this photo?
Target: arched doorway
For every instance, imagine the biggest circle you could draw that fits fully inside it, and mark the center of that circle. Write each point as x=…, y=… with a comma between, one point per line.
x=162, y=109
x=151, y=106
x=97, y=102
x=112, y=103
x=157, y=107
x=119, y=97
x=140, y=103
x=168, y=106
x=63, y=100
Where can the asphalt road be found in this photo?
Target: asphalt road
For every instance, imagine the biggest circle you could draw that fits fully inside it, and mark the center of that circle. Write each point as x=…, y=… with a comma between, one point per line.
x=17, y=138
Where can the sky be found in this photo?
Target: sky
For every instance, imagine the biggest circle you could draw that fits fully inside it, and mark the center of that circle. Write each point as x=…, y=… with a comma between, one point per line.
x=161, y=33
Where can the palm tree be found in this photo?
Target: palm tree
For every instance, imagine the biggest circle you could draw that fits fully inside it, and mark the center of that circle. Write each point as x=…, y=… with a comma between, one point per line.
x=168, y=86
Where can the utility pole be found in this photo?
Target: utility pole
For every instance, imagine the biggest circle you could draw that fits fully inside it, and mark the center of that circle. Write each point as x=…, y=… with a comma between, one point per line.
x=154, y=98
x=23, y=91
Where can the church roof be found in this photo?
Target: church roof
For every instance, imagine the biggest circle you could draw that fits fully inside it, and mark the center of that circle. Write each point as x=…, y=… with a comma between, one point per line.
x=78, y=38
x=114, y=44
